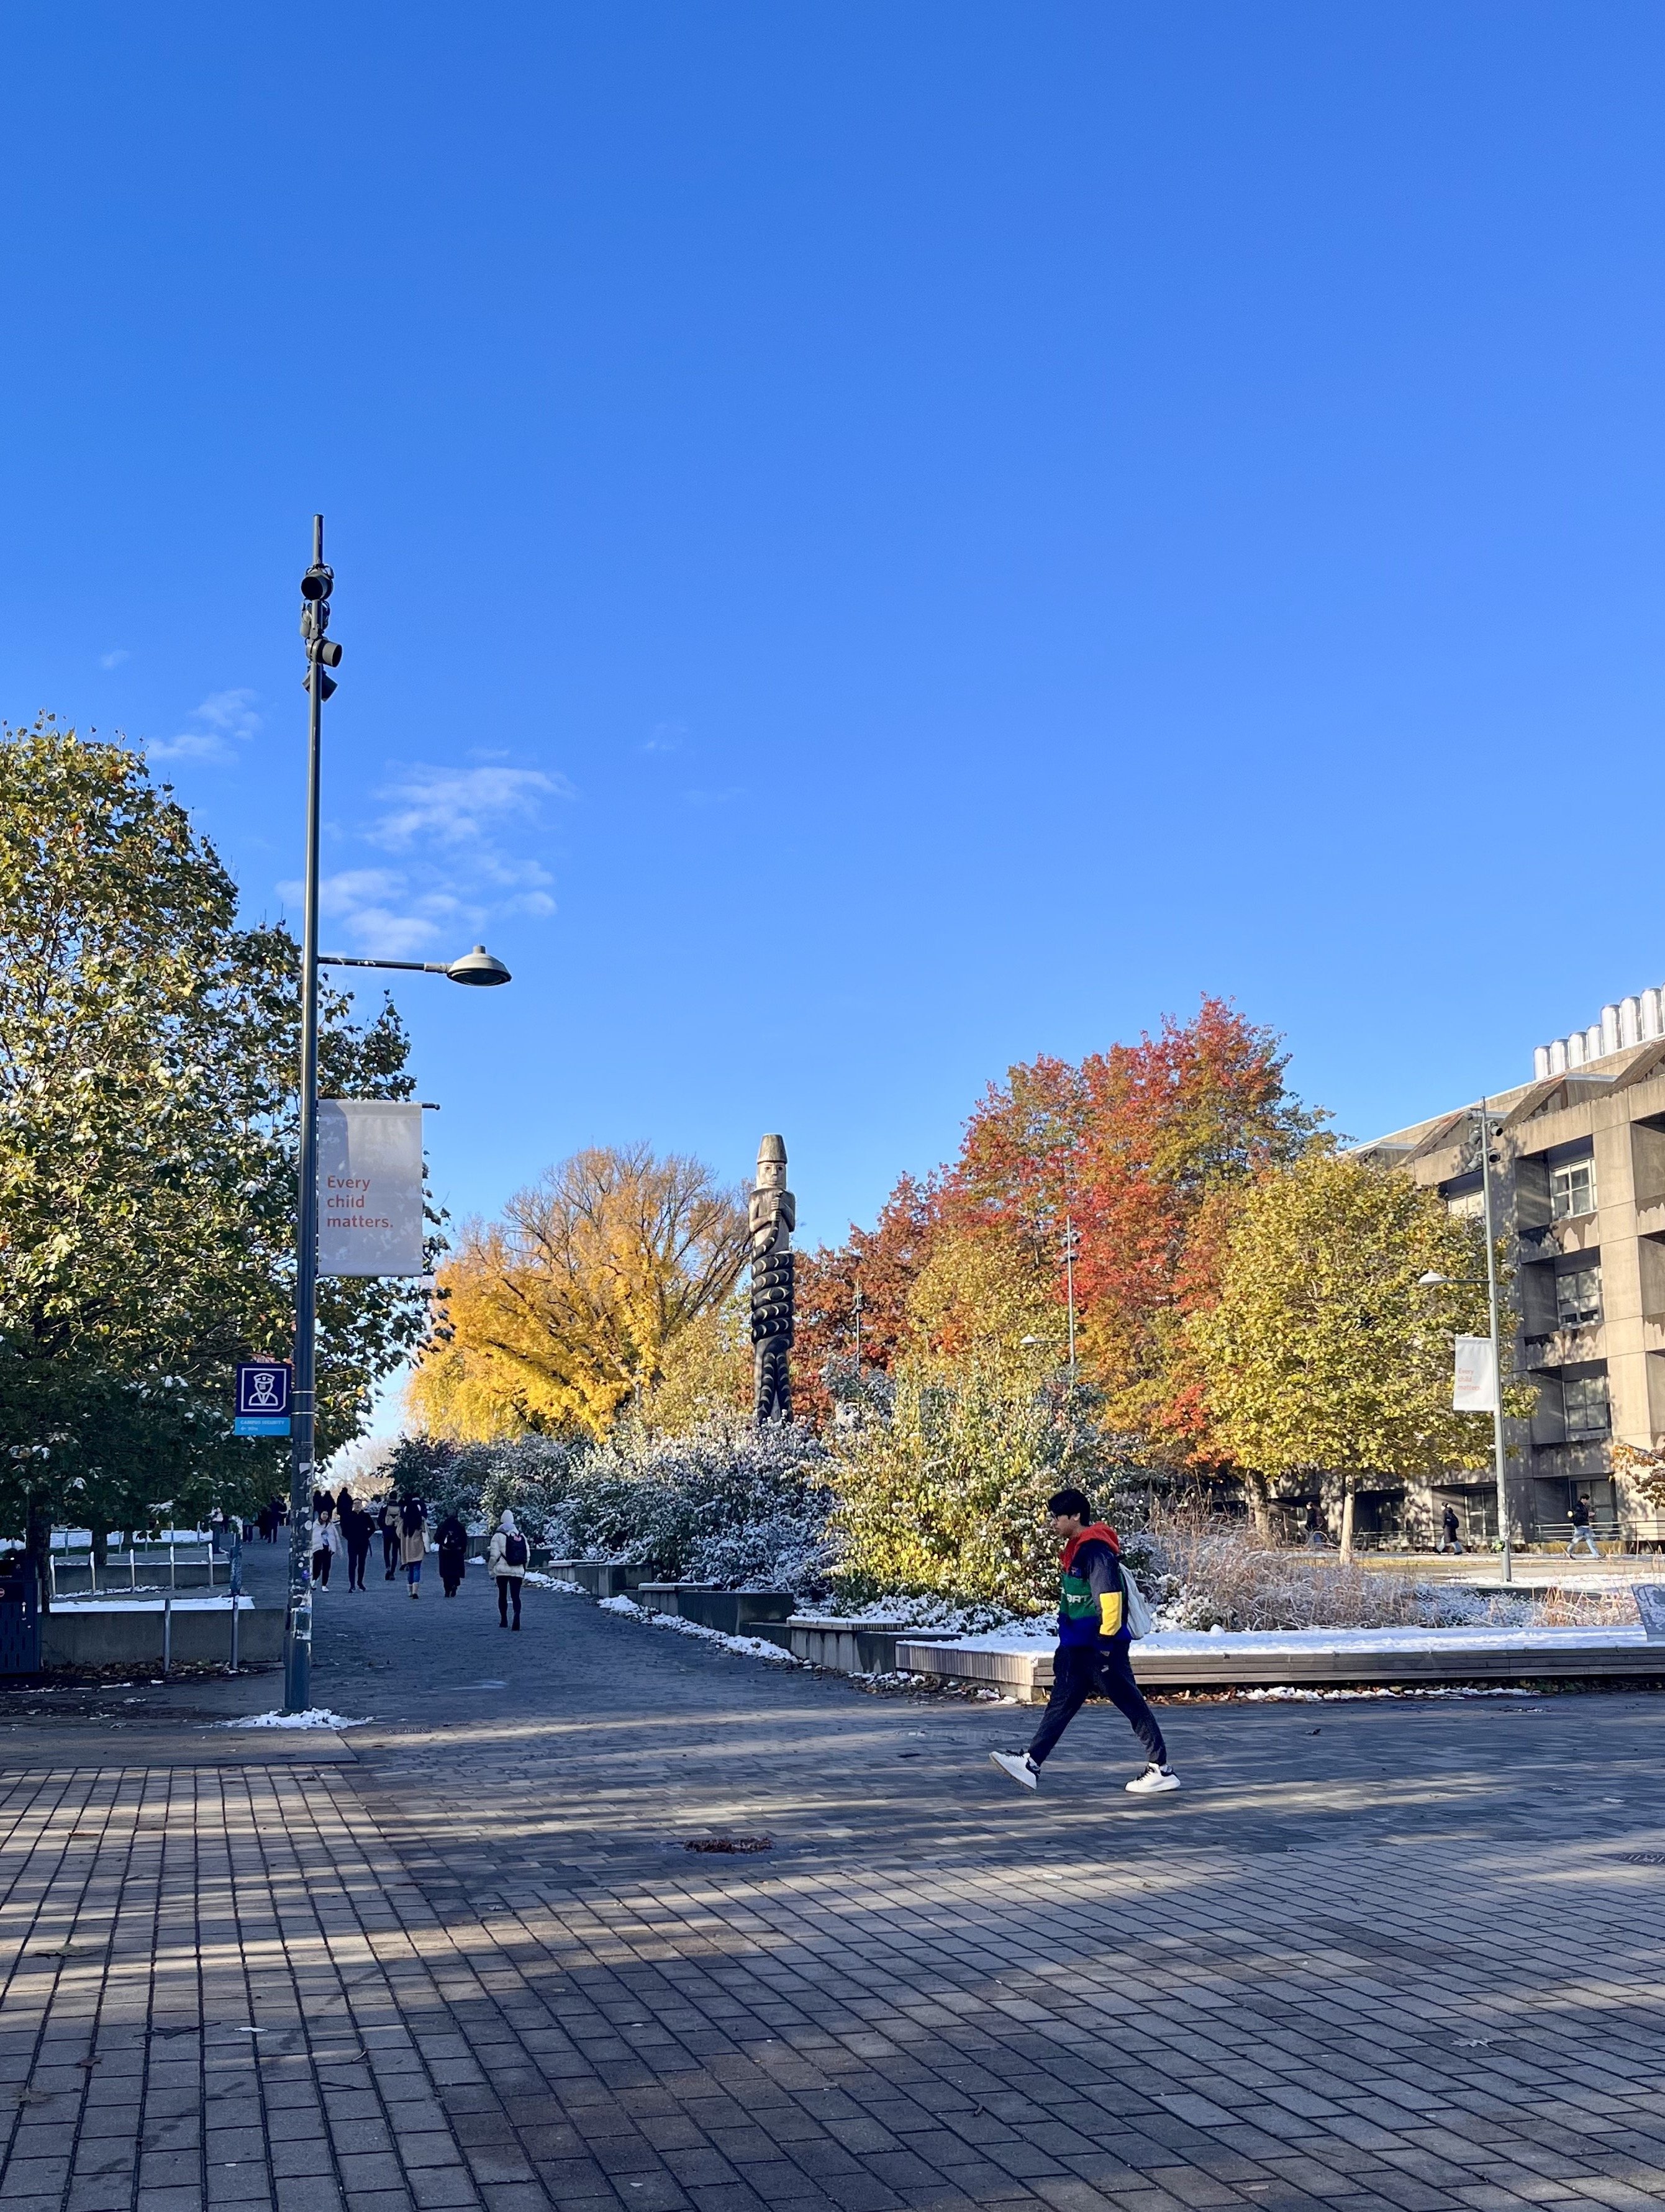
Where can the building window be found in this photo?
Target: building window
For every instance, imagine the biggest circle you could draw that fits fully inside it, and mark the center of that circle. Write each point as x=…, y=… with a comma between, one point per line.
x=1467, y=1205
x=1585, y=1398
x=1572, y=1189
x=1578, y=1298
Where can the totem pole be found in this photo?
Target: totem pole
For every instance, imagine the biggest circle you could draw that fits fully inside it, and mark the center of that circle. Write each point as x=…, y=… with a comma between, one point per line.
x=774, y=1216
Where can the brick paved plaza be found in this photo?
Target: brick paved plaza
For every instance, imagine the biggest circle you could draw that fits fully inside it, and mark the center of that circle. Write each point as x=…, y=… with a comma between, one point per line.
x=1376, y=1955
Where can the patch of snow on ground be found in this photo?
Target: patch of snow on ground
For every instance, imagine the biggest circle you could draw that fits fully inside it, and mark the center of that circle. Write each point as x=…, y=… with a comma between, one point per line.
x=1340, y=1643
x=539, y=1581
x=1286, y=1695
x=750, y=1647
x=316, y=1716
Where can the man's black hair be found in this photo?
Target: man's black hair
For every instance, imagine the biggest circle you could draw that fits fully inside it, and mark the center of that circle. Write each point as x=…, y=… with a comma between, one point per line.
x=1070, y=1501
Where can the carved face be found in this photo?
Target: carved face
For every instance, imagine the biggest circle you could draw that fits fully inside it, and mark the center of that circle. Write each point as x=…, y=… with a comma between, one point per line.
x=771, y=1175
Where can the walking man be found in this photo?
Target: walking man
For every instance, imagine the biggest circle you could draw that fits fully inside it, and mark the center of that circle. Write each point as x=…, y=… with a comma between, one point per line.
x=357, y=1528
x=1581, y=1528
x=1449, y=1540
x=390, y=1538
x=1092, y=1651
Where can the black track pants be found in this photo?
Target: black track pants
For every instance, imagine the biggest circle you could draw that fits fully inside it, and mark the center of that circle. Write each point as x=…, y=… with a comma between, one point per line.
x=1101, y=1670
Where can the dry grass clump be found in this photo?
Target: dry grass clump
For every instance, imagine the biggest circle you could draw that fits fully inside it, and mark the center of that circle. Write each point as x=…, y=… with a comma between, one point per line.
x=1215, y=1573
x=1206, y=1571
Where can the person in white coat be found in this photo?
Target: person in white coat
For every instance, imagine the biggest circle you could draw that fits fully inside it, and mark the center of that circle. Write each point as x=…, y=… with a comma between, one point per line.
x=506, y=1562
x=326, y=1542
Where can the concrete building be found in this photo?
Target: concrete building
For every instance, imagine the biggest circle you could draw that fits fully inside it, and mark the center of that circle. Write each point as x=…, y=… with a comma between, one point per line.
x=1580, y=1198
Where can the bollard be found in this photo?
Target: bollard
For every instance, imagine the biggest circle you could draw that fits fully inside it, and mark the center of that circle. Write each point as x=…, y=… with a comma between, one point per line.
x=92, y=1574
x=236, y=1608
x=167, y=1635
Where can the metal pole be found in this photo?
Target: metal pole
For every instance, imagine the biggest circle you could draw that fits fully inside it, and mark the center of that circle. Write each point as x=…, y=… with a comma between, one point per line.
x=1497, y=1345
x=1069, y=1279
x=855, y=1308
x=167, y=1635
x=236, y=1608
x=298, y=1626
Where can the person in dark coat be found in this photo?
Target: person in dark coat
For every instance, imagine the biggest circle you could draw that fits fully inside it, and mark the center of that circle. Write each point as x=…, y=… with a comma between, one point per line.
x=451, y=1539
x=357, y=1528
x=390, y=1538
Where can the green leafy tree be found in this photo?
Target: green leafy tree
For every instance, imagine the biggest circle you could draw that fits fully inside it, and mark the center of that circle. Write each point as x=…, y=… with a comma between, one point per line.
x=149, y=1051
x=1324, y=1353
x=943, y=1490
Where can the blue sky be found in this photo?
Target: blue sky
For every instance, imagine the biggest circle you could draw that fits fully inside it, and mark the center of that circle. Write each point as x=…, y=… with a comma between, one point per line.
x=872, y=542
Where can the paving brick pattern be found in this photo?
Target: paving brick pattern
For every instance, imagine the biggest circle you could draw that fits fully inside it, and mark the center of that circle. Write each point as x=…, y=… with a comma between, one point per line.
x=1416, y=1962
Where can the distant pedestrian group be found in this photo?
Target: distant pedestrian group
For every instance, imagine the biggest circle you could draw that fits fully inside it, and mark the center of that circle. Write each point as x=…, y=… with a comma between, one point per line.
x=340, y=1525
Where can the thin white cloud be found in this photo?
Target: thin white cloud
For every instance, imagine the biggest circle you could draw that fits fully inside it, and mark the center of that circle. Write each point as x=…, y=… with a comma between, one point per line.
x=453, y=836
x=372, y=911
x=115, y=658
x=666, y=737
x=456, y=805
x=226, y=720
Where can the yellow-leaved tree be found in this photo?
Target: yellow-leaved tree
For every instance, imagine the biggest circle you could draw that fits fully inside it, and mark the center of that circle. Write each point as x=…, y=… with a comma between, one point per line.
x=557, y=1316
x=1325, y=1353
x=982, y=1298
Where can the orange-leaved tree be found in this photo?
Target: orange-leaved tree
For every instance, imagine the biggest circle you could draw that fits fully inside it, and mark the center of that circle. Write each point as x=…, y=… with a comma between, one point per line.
x=883, y=1263
x=1142, y=1148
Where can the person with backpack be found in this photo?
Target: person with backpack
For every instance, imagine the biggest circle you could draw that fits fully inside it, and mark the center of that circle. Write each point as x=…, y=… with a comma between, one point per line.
x=451, y=1541
x=1092, y=1650
x=506, y=1562
x=390, y=1538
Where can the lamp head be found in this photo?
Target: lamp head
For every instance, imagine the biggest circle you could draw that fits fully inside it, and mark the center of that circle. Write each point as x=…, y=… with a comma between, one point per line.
x=477, y=967
x=1433, y=1280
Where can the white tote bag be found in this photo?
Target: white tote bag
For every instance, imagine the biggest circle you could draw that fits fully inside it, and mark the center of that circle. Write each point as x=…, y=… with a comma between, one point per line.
x=1137, y=1613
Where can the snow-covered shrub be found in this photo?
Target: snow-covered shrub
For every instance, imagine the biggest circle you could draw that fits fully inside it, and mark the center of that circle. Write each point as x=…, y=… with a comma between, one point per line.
x=727, y=1503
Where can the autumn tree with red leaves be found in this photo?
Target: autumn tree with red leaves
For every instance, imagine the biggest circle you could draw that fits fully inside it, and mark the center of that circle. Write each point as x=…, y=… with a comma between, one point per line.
x=883, y=1263
x=1142, y=1148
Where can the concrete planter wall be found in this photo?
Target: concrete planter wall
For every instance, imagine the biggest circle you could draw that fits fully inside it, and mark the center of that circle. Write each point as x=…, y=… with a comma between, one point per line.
x=131, y=1635
x=731, y=1613
x=846, y=1647
x=599, y=1577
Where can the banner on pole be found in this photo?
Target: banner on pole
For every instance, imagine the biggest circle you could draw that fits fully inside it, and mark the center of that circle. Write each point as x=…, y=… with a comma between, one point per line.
x=1474, y=1389
x=369, y=1187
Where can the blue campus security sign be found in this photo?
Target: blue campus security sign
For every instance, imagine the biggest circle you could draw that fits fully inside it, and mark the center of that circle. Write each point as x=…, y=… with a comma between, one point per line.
x=263, y=1398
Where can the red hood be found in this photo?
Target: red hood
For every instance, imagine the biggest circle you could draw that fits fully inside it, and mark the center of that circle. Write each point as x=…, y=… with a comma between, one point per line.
x=1100, y=1529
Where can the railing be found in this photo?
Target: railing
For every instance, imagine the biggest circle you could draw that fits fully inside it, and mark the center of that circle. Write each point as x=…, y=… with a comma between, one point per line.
x=152, y=1555
x=1604, y=1528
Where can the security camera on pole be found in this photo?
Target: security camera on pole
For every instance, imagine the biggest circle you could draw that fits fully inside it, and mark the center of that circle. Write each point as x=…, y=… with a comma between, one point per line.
x=377, y=1125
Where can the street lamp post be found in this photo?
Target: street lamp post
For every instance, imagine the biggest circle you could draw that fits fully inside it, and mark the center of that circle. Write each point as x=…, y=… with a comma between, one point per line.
x=477, y=967
x=1497, y=1344
x=856, y=1304
x=1069, y=1286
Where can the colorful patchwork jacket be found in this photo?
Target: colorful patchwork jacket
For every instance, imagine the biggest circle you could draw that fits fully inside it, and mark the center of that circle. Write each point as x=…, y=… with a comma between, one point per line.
x=1090, y=1607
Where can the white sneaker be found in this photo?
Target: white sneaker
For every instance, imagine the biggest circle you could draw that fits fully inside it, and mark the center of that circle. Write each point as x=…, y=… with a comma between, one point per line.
x=1020, y=1766
x=1153, y=1782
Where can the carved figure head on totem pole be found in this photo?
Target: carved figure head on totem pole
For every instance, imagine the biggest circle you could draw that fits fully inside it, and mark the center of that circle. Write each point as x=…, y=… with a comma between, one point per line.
x=772, y=1216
